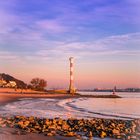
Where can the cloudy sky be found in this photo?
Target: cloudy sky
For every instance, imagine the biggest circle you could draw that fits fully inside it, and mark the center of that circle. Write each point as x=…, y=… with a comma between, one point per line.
x=38, y=36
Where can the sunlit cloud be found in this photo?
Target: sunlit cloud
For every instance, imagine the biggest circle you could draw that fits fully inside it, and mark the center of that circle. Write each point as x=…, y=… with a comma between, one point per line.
x=93, y=31
x=109, y=46
x=7, y=56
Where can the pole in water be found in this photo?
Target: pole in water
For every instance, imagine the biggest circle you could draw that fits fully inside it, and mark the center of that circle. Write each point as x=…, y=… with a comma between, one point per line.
x=71, y=86
x=114, y=90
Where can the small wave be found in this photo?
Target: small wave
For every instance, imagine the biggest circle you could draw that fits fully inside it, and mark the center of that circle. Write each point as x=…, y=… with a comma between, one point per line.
x=82, y=105
x=76, y=108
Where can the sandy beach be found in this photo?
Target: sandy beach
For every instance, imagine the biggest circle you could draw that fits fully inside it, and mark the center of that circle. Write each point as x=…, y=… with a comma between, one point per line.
x=9, y=94
x=9, y=133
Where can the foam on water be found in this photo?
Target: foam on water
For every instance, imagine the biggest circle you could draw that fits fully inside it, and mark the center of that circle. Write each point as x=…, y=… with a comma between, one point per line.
x=50, y=108
x=34, y=107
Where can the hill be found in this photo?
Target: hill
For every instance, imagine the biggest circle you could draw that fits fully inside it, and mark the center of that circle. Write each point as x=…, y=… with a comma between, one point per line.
x=10, y=79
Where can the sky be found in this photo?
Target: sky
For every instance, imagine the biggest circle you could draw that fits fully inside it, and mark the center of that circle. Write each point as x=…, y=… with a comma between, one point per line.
x=37, y=37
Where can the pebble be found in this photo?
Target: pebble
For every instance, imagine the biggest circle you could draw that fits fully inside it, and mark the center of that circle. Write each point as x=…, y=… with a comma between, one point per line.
x=70, y=134
x=103, y=134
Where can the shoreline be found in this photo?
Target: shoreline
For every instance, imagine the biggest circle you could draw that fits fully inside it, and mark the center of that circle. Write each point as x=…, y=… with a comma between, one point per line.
x=13, y=134
x=9, y=95
x=7, y=133
x=21, y=134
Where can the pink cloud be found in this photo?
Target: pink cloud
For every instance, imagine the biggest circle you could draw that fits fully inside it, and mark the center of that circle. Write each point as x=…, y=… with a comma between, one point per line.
x=7, y=56
x=51, y=26
x=7, y=21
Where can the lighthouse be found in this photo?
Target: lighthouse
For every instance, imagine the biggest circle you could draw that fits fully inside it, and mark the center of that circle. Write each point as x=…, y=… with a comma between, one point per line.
x=71, y=85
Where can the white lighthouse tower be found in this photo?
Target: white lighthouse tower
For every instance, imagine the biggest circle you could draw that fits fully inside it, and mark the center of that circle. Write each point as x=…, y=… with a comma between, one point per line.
x=71, y=86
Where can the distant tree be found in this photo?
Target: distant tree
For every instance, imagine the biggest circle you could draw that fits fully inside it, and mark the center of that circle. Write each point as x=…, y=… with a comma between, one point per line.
x=38, y=84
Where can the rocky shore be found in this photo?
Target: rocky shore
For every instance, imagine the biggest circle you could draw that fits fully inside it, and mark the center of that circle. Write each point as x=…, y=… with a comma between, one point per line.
x=119, y=129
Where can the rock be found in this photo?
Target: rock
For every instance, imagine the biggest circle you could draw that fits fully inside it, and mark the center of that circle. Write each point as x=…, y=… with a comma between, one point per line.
x=134, y=127
x=44, y=127
x=26, y=123
x=47, y=122
x=126, y=131
x=53, y=132
x=49, y=134
x=85, y=130
x=36, y=126
x=65, y=127
x=54, y=121
x=90, y=134
x=52, y=127
x=116, y=132
x=80, y=123
x=103, y=134
x=60, y=122
x=70, y=134
x=31, y=118
x=58, y=127
x=76, y=127
x=119, y=129
x=113, y=125
x=21, y=124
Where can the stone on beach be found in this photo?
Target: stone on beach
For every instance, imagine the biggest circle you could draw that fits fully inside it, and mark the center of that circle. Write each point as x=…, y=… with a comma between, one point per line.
x=120, y=129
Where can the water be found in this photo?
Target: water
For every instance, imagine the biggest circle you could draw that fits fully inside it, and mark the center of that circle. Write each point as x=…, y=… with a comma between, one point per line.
x=118, y=108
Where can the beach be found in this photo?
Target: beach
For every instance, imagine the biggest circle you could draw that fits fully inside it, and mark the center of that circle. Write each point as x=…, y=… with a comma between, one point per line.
x=53, y=101
x=9, y=134
x=10, y=96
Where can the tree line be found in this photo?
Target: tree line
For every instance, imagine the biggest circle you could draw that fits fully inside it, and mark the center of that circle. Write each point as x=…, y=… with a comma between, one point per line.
x=38, y=84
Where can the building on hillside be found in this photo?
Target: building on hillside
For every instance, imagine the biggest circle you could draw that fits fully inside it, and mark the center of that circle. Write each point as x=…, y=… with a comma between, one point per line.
x=2, y=82
x=11, y=84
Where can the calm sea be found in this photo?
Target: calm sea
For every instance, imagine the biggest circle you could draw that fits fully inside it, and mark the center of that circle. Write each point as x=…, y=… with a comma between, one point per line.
x=127, y=107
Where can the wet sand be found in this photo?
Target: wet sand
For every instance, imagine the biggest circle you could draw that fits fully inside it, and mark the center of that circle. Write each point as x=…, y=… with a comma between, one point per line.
x=9, y=134
x=9, y=95
x=5, y=99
